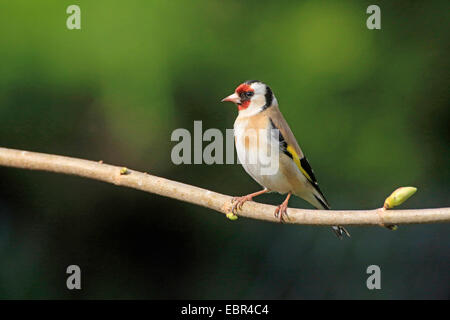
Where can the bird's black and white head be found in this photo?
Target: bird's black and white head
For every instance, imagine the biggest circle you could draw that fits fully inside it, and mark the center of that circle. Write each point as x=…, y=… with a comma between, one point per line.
x=252, y=97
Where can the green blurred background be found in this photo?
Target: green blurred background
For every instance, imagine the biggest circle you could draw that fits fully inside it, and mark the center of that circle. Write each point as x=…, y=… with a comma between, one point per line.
x=369, y=108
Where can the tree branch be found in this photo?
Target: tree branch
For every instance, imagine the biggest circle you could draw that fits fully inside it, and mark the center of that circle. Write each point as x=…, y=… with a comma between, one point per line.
x=209, y=199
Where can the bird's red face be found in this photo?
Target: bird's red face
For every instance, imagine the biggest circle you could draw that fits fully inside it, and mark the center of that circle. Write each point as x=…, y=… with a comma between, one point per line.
x=242, y=96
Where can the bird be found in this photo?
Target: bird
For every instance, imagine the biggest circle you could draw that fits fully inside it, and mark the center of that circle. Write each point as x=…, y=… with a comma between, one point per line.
x=259, y=127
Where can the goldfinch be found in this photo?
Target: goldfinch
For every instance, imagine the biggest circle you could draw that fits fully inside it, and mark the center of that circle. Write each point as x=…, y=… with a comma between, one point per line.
x=259, y=117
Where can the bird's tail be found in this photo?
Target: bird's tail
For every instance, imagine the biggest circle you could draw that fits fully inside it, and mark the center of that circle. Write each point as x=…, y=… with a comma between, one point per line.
x=338, y=230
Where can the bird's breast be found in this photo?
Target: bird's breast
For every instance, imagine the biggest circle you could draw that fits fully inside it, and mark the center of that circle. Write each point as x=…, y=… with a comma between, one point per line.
x=252, y=136
x=259, y=153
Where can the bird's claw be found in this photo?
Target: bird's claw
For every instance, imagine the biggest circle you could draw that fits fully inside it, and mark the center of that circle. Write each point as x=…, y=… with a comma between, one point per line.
x=281, y=212
x=238, y=202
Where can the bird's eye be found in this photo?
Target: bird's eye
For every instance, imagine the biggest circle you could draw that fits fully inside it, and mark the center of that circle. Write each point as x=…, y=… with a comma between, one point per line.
x=249, y=94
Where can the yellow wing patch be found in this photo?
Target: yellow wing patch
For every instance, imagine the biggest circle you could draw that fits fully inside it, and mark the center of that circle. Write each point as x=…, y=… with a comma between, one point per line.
x=296, y=159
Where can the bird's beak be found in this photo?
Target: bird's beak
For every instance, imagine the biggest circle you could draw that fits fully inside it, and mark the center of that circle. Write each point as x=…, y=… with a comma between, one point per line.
x=232, y=98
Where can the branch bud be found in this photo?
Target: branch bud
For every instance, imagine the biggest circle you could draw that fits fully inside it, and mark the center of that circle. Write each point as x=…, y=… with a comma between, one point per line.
x=399, y=196
x=232, y=216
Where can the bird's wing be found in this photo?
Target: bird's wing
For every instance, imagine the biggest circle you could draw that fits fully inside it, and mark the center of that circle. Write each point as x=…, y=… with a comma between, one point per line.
x=290, y=147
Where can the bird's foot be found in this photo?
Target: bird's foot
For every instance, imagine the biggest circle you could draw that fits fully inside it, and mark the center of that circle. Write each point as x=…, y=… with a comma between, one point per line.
x=281, y=212
x=238, y=202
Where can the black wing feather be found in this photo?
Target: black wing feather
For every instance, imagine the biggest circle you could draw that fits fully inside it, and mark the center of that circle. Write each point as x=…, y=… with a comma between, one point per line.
x=304, y=164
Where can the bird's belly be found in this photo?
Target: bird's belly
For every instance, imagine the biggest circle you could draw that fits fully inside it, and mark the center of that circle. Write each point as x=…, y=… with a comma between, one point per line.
x=266, y=169
x=274, y=182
